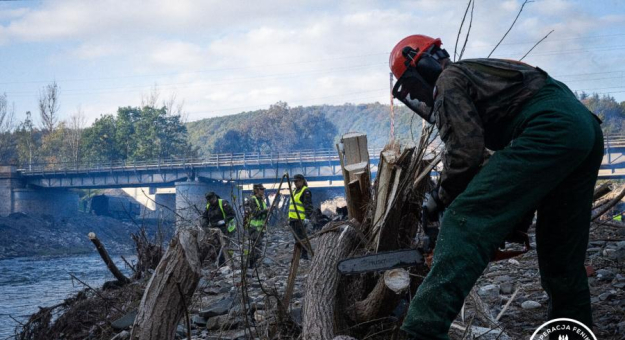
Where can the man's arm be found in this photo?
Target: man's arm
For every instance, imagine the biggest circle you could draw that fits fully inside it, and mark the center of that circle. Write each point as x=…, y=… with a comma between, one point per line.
x=461, y=130
x=230, y=215
x=205, y=222
x=307, y=203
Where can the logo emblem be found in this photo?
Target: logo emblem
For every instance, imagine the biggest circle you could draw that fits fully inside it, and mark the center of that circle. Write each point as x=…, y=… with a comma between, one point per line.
x=563, y=329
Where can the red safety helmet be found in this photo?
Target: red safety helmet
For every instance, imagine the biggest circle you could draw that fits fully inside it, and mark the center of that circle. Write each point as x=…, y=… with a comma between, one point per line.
x=415, y=63
x=420, y=43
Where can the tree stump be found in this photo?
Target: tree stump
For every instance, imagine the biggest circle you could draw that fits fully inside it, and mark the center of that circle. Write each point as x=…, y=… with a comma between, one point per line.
x=174, y=279
x=319, y=312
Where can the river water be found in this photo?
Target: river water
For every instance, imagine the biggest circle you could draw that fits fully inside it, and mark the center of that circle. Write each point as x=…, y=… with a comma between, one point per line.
x=29, y=282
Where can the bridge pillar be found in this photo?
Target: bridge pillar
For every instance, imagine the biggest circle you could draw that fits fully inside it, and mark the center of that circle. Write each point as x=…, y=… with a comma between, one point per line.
x=165, y=206
x=53, y=202
x=9, y=181
x=191, y=200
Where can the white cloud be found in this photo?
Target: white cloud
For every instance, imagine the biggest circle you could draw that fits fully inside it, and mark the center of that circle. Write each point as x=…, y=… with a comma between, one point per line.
x=221, y=55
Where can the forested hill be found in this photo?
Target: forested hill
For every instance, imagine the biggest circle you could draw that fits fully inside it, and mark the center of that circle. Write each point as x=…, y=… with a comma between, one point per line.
x=283, y=128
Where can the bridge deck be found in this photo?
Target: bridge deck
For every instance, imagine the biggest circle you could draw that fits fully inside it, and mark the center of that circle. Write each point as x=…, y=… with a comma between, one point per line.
x=242, y=167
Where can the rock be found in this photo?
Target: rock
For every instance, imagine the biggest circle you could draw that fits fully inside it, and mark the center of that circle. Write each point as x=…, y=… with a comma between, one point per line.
x=225, y=270
x=212, y=290
x=529, y=304
x=296, y=315
x=514, y=262
x=619, y=285
x=220, y=308
x=506, y=288
x=181, y=331
x=268, y=262
x=489, y=292
x=124, y=335
x=621, y=327
x=609, y=253
x=593, y=249
x=607, y=296
x=222, y=322
x=224, y=290
x=605, y=275
x=503, y=278
x=484, y=333
x=125, y=321
x=198, y=320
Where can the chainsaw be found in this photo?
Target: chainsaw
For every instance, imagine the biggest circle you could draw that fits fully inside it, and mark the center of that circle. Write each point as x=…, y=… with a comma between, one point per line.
x=423, y=254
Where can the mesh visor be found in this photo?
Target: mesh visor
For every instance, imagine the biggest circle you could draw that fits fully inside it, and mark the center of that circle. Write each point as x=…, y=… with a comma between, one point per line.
x=412, y=90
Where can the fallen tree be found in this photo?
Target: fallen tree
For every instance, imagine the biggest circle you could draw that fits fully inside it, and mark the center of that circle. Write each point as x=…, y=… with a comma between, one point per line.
x=173, y=283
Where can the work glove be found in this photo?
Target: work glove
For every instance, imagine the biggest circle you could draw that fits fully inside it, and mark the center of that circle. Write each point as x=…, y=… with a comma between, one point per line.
x=221, y=223
x=432, y=206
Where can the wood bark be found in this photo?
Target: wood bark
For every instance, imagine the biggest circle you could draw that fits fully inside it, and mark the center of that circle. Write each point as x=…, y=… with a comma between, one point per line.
x=175, y=278
x=382, y=299
x=382, y=189
x=319, y=314
x=602, y=190
x=297, y=251
x=609, y=205
x=107, y=259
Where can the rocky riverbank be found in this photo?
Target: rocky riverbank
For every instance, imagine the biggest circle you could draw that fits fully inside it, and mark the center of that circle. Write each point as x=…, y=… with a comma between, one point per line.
x=217, y=312
x=25, y=235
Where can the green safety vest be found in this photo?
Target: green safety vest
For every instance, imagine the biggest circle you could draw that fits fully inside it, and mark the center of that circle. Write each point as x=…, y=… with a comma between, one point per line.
x=296, y=203
x=258, y=222
x=232, y=224
x=618, y=217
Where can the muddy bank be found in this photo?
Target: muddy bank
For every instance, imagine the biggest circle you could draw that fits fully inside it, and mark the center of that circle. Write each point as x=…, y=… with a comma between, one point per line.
x=25, y=235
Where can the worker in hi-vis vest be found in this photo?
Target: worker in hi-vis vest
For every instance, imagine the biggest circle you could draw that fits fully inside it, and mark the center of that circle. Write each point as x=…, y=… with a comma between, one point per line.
x=300, y=211
x=255, y=216
x=219, y=214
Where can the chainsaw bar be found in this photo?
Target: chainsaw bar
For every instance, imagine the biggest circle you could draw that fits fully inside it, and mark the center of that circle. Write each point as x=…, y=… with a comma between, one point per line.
x=380, y=261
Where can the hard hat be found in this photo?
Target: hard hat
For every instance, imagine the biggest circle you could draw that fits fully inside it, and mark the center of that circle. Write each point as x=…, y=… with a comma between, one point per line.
x=299, y=177
x=415, y=63
x=418, y=44
x=210, y=195
x=258, y=186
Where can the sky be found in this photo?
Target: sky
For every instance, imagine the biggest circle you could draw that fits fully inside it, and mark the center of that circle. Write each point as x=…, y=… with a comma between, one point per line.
x=223, y=57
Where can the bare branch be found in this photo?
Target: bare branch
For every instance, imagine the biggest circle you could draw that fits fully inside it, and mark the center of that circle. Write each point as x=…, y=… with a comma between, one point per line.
x=460, y=29
x=509, y=29
x=49, y=106
x=466, y=39
x=539, y=41
x=151, y=99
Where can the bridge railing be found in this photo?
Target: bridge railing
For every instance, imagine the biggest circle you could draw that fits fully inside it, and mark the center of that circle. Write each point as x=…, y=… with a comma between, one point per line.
x=216, y=160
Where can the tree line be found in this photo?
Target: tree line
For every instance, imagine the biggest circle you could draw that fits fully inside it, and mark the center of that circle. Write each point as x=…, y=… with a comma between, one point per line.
x=148, y=132
x=155, y=131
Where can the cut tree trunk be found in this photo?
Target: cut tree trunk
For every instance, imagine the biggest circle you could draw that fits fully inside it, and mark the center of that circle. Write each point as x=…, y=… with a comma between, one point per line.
x=384, y=296
x=107, y=259
x=319, y=314
x=174, y=279
x=354, y=157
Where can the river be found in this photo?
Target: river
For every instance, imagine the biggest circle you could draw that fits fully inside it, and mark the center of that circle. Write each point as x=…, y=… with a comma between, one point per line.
x=29, y=282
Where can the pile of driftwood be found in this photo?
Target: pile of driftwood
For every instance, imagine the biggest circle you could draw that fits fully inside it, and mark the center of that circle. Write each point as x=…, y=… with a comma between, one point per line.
x=386, y=217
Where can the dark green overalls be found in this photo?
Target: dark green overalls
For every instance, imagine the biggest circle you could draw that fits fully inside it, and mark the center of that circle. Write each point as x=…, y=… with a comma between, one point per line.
x=550, y=164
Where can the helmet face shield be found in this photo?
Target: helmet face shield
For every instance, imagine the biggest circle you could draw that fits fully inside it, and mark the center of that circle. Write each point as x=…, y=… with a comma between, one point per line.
x=411, y=89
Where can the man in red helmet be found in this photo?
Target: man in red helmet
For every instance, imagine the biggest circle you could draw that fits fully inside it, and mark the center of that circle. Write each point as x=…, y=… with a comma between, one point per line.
x=549, y=149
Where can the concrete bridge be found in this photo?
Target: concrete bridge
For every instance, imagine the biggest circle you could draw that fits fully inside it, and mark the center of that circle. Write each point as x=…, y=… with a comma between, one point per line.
x=44, y=188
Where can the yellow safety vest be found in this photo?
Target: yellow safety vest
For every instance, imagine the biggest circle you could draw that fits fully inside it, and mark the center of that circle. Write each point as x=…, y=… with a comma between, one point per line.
x=297, y=203
x=258, y=222
x=618, y=217
x=232, y=224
